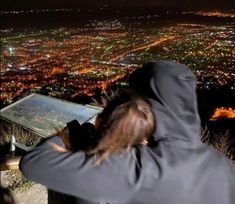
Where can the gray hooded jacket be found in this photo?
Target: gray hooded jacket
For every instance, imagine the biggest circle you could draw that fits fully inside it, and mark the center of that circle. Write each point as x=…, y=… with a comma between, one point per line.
x=176, y=168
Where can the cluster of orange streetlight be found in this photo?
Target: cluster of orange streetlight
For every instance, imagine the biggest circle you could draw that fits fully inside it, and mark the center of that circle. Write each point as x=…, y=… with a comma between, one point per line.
x=223, y=112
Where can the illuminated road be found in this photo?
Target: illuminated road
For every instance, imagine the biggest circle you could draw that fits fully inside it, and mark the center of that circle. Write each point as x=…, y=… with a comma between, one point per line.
x=143, y=47
x=211, y=45
x=201, y=52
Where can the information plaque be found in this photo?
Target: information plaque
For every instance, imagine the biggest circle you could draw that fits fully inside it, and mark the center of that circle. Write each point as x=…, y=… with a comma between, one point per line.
x=44, y=115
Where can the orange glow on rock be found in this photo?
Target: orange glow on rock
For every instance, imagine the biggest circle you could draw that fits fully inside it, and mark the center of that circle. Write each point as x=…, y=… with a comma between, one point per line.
x=223, y=113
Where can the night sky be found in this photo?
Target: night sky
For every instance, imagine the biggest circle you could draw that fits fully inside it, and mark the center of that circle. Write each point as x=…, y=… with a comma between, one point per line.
x=165, y=4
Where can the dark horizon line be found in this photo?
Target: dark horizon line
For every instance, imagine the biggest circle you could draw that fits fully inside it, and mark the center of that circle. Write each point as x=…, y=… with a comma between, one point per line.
x=171, y=8
x=161, y=9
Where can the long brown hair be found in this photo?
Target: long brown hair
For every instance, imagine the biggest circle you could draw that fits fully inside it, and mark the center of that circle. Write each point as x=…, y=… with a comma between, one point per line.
x=126, y=121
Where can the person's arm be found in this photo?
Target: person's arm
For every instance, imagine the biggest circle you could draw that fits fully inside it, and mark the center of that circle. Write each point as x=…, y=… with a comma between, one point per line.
x=113, y=180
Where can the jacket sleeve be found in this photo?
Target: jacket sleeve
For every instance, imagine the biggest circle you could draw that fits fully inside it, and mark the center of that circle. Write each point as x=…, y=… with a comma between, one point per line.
x=114, y=180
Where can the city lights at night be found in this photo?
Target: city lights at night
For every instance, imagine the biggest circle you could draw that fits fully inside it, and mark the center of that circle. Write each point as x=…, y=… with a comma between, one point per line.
x=68, y=62
x=223, y=113
x=77, y=50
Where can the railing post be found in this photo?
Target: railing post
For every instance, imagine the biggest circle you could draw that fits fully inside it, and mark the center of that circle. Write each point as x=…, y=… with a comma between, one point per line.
x=13, y=147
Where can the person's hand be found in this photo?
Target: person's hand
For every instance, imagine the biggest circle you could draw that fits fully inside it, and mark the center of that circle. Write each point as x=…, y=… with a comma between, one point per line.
x=64, y=135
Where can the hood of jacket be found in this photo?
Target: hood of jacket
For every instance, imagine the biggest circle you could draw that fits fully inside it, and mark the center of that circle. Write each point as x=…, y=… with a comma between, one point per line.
x=171, y=89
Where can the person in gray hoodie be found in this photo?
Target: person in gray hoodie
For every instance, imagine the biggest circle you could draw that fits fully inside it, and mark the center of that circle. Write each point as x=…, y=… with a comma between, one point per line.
x=175, y=168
